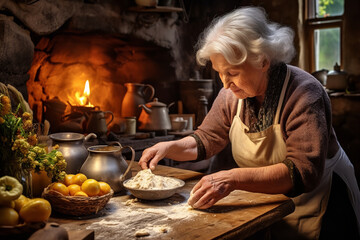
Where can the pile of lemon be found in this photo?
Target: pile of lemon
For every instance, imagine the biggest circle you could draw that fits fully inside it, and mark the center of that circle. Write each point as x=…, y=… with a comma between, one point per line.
x=80, y=185
x=16, y=209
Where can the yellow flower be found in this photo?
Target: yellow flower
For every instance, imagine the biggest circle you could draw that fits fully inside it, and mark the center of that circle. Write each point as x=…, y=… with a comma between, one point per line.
x=59, y=155
x=32, y=139
x=2, y=120
x=22, y=145
x=5, y=105
x=28, y=125
x=26, y=116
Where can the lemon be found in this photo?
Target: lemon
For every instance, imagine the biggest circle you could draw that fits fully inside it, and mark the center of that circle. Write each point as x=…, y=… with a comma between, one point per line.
x=104, y=188
x=36, y=210
x=8, y=217
x=73, y=188
x=68, y=180
x=91, y=187
x=20, y=202
x=79, y=179
x=61, y=188
x=80, y=194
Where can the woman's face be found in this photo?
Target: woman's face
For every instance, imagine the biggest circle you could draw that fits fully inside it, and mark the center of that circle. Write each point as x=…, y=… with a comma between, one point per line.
x=244, y=80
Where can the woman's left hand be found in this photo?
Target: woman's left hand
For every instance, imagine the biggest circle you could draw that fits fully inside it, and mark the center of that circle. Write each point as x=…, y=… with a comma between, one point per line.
x=210, y=189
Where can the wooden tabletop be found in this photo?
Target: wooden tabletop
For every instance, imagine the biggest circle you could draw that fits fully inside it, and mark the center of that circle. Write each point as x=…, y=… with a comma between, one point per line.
x=239, y=215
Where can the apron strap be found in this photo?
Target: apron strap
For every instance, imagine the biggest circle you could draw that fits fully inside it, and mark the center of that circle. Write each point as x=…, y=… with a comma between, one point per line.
x=281, y=99
x=282, y=95
x=239, y=107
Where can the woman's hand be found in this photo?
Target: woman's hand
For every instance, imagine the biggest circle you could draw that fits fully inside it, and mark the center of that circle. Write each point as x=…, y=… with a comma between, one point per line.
x=184, y=149
x=273, y=179
x=151, y=156
x=210, y=189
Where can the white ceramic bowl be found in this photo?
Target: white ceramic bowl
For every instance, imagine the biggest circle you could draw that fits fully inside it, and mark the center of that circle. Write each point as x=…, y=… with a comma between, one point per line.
x=179, y=125
x=152, y=194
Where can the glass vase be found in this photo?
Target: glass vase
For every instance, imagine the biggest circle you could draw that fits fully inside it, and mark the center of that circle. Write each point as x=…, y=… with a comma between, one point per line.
x=23, y=176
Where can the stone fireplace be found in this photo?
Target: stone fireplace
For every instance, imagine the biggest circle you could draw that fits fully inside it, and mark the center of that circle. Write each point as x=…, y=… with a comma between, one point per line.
x=51, y=48
x=63, y=63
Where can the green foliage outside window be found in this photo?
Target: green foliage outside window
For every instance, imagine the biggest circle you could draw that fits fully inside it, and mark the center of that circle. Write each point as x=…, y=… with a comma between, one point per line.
x=328, y=8
x=327, y=41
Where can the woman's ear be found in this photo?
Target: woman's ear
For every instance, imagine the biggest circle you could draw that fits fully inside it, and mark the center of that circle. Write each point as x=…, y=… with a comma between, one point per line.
x=265, y=65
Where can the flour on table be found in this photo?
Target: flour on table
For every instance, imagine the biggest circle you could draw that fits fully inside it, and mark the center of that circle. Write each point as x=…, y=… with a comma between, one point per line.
x=142, y=233
x=145, y=179
x=152, y=229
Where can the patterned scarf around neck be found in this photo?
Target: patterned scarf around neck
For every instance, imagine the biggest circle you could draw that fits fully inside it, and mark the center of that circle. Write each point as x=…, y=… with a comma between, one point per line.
x=264, y=117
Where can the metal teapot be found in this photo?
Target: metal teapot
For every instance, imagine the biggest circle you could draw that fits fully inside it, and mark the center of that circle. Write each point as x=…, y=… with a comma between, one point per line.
x=97, y=122
x=154, y=116
x=337, y=79
x=106, y=163
x=71, y=145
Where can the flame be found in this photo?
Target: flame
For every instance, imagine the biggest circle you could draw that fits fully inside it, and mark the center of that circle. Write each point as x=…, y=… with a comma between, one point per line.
x=83, y=99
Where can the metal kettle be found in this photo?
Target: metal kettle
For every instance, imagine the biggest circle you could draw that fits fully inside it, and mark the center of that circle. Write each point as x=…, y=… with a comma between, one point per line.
x=337, y=79
x=154, y=116
x=106, y=163
x=71, y=145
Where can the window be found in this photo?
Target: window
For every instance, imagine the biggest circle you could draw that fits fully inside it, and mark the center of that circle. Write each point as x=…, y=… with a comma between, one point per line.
x=324, y=24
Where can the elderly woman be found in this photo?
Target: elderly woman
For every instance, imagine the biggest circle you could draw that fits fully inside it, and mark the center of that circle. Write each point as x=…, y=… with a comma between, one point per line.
x=277, y=118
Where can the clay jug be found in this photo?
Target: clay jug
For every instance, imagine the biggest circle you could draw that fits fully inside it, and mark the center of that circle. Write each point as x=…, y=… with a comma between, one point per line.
x=53, y=109
x=97, y=122
x=136, y=94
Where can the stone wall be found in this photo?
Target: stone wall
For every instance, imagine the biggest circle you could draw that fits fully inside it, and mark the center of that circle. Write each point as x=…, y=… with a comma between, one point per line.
x=24, y=23
x=63, y=62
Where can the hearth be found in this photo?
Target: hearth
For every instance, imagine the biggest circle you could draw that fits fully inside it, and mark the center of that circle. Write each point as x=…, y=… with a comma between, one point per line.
x=67, y=63
x=53, y=54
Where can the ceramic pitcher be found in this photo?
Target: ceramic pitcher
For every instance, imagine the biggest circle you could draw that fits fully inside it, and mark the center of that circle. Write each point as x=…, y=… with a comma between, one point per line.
x=136, y=94
x=97, y=123
x=106, y=163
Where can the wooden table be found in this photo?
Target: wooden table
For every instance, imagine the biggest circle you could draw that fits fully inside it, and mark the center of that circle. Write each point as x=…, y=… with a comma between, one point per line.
x=239, y=215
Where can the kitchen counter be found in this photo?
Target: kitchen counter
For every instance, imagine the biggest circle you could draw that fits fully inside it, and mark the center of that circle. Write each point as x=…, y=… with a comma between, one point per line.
x=239, y=215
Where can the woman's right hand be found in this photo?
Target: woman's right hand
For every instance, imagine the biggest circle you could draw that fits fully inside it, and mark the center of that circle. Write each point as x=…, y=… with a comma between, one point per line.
x=152, y=155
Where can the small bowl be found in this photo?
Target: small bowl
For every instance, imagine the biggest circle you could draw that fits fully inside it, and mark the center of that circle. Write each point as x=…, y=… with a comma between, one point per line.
x=154, y=194
x=179, y=125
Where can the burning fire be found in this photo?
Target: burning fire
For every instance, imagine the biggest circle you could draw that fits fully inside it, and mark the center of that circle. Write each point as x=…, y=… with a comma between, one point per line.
x=83, y=99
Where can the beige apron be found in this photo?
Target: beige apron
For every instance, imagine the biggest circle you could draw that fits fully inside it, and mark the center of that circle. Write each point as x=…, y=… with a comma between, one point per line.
x=268, y=147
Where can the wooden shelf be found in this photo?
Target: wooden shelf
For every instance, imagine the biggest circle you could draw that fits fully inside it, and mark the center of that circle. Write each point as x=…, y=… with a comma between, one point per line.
x=157, y=9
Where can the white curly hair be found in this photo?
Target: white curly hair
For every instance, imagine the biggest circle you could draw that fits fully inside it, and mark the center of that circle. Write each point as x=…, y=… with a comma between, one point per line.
x=246, y=34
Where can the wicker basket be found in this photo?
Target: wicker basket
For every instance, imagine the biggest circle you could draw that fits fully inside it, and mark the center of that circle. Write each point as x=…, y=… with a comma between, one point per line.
x=76, y=206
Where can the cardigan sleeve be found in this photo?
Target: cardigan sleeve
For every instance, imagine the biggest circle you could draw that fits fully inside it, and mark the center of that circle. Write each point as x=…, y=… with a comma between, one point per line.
x=214, y=130
x=306, y=126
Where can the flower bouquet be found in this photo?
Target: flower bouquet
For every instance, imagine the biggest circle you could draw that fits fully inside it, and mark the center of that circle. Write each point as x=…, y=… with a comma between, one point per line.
x=20, y=152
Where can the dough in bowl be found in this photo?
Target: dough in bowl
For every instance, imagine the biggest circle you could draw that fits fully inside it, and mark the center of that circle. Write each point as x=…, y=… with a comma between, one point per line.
x=145, y=179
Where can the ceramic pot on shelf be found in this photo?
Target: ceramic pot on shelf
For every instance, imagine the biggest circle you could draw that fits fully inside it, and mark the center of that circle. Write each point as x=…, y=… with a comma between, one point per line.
x=97, y=122
x=190, y=91
x=136, y=94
